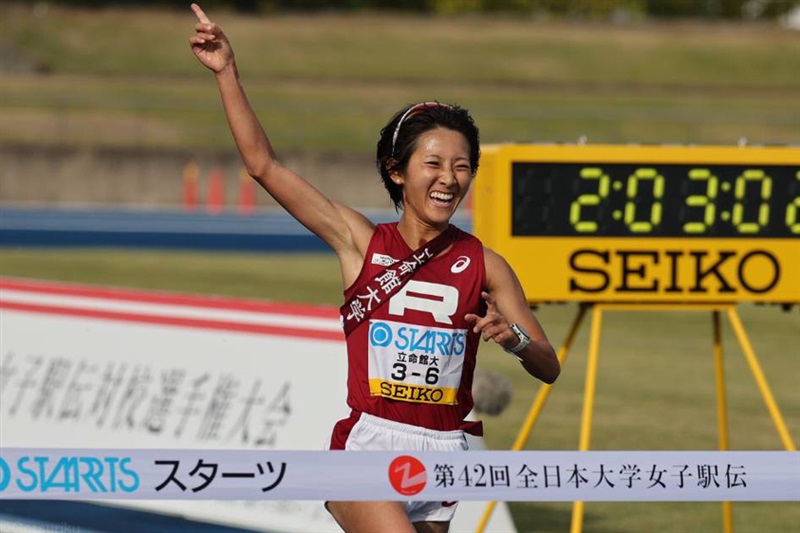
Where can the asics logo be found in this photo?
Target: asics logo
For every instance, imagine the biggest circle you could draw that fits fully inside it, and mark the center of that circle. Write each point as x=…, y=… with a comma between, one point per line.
x=460, y=265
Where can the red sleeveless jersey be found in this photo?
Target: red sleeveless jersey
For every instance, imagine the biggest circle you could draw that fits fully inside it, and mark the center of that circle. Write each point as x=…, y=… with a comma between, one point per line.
x=413, y=360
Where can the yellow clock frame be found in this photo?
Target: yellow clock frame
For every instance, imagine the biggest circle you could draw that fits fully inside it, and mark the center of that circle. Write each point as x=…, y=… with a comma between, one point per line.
x=587, y=268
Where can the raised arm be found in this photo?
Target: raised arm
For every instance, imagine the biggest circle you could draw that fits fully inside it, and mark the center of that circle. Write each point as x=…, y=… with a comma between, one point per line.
x=345, y=230
x=507, y=305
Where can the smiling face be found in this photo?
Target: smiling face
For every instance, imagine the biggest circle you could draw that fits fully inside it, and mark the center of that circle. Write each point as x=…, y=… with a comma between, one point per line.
x=436, y=178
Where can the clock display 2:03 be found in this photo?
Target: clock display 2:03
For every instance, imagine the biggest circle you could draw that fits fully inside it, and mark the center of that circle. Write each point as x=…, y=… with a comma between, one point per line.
x=647, y=200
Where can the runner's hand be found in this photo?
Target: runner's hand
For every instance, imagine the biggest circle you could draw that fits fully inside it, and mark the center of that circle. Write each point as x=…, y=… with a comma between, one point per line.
x=494, y=325
x=209, y=43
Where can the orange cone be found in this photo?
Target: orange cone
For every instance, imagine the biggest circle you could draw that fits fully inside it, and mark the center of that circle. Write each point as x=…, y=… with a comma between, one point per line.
x=190, y=175
x=216, y=191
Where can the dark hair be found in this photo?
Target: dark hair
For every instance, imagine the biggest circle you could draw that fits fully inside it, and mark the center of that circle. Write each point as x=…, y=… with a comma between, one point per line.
x=399, y=139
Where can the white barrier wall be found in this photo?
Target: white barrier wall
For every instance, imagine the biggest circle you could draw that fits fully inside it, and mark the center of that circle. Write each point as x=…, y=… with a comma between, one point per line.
x=84, y=367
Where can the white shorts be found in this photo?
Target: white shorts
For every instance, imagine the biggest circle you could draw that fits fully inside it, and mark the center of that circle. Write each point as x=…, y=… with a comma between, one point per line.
x=372, y=433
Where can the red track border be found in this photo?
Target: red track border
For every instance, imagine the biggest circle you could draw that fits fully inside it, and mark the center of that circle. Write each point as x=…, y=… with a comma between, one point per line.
x=134, y=295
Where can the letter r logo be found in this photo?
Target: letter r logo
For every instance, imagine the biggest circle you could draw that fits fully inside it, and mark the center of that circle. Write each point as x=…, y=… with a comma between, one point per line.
x=441, y=301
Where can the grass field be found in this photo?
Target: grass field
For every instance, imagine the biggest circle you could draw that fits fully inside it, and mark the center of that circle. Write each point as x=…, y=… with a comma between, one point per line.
x=655, y=386
x=328, y=83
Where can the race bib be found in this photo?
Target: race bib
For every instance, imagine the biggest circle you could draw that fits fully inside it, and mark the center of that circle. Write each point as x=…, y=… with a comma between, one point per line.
x=415, y=363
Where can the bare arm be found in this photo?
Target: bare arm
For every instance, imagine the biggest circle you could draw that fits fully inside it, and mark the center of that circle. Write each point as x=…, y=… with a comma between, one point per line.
x=506, y=305
x=343, y=229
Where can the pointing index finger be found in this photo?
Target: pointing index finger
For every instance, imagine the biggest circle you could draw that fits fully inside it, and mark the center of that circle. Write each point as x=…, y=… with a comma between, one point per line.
x=201, y=16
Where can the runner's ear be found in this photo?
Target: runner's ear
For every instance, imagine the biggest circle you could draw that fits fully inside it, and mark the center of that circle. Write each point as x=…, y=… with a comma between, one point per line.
x=395, y=174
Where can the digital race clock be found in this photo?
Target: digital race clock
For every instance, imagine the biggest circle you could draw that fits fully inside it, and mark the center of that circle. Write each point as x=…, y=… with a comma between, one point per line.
x=644, y=223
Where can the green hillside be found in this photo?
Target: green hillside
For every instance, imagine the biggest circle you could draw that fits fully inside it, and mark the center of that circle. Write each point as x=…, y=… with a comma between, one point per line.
x=329, y=82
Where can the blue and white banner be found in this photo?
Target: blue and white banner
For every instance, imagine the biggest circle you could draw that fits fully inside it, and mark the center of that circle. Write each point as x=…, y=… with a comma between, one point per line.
x=180, y=474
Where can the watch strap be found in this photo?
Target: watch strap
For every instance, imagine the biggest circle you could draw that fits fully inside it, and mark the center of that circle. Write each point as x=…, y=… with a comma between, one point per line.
x=524, y=339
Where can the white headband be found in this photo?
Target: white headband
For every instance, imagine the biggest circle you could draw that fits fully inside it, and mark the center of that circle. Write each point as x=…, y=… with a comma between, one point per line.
x=408, y=111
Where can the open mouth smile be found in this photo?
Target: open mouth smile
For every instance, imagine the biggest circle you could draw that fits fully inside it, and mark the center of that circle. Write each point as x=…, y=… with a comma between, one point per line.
x=442, y=199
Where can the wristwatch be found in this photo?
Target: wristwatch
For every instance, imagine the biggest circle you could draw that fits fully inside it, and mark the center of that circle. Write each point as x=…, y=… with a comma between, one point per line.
x=524, y=340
